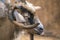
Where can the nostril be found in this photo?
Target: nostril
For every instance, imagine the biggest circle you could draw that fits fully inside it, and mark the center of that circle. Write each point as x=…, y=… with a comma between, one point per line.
x=40, y=29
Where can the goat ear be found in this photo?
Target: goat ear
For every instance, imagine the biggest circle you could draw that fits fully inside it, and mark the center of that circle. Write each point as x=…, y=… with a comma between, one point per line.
x=37, y=7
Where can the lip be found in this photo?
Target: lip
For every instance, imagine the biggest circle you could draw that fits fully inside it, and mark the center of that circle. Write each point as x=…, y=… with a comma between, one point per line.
x=38, y=31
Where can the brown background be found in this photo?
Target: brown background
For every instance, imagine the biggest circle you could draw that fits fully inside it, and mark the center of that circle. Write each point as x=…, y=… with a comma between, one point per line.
x=49, y=15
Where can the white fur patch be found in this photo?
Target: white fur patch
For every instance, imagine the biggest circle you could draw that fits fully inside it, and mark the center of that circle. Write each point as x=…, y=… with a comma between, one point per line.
x=2, y=10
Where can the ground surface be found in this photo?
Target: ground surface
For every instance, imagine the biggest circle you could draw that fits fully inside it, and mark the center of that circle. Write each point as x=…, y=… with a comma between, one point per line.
x=41, y=37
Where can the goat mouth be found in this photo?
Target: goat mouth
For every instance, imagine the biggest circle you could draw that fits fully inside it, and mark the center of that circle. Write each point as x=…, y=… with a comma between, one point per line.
x=38, y=31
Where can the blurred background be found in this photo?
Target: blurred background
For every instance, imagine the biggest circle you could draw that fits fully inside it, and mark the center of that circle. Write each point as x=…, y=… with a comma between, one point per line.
x=49, y=15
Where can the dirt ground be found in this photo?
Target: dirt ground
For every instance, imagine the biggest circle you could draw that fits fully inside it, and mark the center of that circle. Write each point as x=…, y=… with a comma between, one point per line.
x=37, y=37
